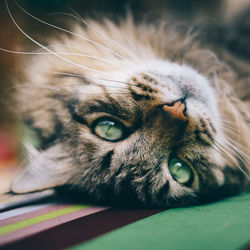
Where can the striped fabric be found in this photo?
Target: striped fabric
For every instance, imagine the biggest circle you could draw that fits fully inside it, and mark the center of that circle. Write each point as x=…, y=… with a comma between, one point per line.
x=46, y=221
x=29, y=221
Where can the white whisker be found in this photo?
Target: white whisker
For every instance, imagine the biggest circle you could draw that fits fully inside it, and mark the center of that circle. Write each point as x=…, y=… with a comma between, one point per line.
x=72, y=10
x=96, y=78
x=45, y=48
x=229, y=130
x=62, y=90
x=237, y=150
x=58, y=53
x=97, y=31
x=223, y=121
x=232, y=142
x=223, y=151
x=225, y=125
x=42, y=86
x=76, y=35
x=101, y=85
x=133, y=46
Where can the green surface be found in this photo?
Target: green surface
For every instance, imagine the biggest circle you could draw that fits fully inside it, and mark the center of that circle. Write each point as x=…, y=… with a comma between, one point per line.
x=221, y=225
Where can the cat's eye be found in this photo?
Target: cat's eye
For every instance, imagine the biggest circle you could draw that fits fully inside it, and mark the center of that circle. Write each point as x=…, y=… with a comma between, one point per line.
x=180, y=171
x=109, y=129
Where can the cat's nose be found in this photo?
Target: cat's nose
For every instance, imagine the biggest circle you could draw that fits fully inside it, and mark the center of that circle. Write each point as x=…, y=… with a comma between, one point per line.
x=176, y=110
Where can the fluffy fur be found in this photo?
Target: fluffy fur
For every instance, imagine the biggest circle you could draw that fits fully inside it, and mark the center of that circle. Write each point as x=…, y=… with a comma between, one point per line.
x=128, y=71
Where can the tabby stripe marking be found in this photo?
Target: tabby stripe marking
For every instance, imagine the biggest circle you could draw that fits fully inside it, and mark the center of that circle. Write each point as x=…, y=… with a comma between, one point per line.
x=107, y=159
x=198, y=137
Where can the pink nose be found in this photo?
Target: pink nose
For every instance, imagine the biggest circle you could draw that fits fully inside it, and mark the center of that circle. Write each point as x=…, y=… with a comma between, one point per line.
x=176, y=110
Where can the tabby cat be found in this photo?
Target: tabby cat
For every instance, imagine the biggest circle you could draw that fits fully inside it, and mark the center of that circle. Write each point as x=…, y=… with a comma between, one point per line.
x=135, y=113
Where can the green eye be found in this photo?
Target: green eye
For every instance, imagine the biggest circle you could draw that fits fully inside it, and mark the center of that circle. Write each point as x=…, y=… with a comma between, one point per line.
x=109, y=130
x=180, y=170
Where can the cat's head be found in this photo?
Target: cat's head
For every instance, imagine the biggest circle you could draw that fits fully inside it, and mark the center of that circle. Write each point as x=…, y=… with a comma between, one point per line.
x=146, y=131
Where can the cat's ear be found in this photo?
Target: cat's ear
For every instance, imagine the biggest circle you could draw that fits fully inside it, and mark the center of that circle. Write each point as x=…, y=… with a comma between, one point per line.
x=44, y=171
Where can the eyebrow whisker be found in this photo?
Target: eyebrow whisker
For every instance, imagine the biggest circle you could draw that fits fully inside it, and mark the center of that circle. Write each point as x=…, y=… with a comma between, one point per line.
x=97, y=78
x=76, y=35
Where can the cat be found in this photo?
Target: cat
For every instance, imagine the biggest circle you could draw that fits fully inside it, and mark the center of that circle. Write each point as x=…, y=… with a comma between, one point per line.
x=140, y=113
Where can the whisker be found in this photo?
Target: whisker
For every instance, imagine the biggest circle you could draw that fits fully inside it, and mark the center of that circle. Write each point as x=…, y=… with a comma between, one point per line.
x=229, y=124
x=223, y=121
x=59, y=53
x=222, y=152
x=225, y=125
x=97, y=31
x=72, y=10
x=97, y=78
x=62, y=90
x=221, y=146
x=45, y=48
x=229, y=130
x=230, y=152
x=217, y=119
x=135, y=49
x=237, y=142
x=235, y=149
x=102, y=85
x=42, y=86
x=11, y=104
x=232, y=142
x=74, y=34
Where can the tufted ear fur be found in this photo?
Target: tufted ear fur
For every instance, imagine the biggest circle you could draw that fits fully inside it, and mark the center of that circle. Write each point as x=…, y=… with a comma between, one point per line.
x=42, y=171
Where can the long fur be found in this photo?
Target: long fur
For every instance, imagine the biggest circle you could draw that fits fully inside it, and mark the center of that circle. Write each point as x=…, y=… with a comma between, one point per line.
x=127, y=71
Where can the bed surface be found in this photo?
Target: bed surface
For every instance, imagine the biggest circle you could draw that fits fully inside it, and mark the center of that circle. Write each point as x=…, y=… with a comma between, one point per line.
x=47, y=221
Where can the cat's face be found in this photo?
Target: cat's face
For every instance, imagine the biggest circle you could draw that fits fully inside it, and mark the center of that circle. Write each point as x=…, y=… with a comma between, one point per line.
x=147, y=132
x=149, y=137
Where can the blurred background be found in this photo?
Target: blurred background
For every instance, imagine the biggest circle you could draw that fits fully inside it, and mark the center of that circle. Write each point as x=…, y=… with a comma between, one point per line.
x=231, y=19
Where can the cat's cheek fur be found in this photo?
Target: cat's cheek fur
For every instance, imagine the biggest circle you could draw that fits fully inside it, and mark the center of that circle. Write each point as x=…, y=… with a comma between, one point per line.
x=47, y=169
x=219, y=176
